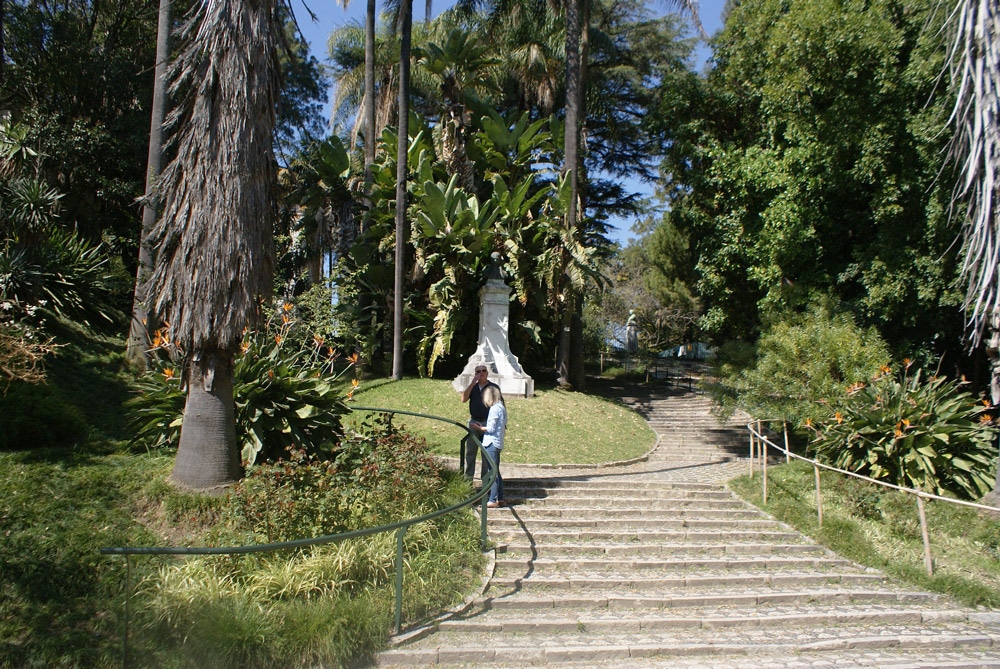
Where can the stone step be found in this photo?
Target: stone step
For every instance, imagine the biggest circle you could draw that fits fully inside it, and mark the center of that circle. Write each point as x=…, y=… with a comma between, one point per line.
x=596, y=621
x=629, y=512
x=565, y=484
x=721, y=499
x=513, y=548
x=589, y=649
x=542, y=566
x=624, y=502
x=512, y=532
x=747, y=600
x=503, y=517
x=700, y=582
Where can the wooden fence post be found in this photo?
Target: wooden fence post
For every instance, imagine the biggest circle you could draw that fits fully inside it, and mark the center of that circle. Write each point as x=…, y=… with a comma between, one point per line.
x=819, y=500
x=928, y=560
x=763, y=463
x=787, y=456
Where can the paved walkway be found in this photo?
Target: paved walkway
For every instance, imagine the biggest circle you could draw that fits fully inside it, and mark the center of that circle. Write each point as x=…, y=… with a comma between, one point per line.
x=656, y=564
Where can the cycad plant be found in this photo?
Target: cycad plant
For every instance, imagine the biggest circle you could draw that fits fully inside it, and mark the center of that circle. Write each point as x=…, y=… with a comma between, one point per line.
x=924, y=434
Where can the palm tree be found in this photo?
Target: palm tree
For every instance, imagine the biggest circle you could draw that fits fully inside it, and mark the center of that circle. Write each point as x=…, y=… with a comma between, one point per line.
x=461, y=67
x=215, y=253
x=138, y=341
x=975, y=146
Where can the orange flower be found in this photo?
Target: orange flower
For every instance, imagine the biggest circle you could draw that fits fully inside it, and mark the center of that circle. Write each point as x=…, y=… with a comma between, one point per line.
x=354, y=383
x=986, y=403
x=169, y=373
x=855, y=387
x=907, y=362
x=278, y=339
x=839, y=417
x=317, y=341
x=350, y=395
x=885, y=369
x=270, y=373
x=985, y=418
x=353, y=358
x=285, y=319
x=906, y=422
x=244, y=347
x=898, y=433
x=287, y=306
x=809, y=422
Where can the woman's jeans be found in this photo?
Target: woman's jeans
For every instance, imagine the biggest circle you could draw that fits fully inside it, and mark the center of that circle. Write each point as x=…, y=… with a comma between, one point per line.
x=496, y=491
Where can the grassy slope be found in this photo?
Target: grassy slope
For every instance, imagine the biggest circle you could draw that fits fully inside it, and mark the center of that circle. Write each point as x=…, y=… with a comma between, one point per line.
x=555, y=426
x=882, y=530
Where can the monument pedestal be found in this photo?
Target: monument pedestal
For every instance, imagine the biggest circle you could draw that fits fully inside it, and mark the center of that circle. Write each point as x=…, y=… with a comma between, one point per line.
x=493, y=350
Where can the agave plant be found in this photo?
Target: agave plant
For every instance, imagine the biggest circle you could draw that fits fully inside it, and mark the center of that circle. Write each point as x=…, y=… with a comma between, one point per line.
x=923, y=434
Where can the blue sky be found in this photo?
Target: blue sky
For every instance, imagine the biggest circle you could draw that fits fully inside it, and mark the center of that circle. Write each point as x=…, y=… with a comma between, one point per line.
x=332, y=15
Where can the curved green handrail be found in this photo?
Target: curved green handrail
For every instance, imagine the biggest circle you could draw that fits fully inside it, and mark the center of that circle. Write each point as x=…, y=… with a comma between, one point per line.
x=399, y=527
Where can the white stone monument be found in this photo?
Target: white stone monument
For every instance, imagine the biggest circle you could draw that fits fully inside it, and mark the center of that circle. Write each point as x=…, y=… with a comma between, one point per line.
x=493, y=350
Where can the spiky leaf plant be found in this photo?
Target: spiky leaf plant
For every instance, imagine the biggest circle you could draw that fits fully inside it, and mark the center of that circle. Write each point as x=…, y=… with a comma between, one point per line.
x=924, y=434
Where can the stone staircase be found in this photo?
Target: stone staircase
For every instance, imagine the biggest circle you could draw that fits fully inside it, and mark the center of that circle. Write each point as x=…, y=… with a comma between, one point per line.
x=658, y=564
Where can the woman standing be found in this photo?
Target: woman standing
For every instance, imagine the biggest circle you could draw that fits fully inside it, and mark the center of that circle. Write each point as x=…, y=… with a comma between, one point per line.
x=493, y=434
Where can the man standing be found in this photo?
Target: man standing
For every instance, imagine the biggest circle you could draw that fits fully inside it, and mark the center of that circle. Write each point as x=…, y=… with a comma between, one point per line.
x=478, y=413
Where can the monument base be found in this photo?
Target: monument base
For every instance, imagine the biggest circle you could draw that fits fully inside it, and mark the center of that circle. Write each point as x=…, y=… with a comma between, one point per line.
x=512, y=381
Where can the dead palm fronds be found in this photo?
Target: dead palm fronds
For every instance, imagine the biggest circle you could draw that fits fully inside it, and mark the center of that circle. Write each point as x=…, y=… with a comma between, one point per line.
x=974, y=58
x=215, y=252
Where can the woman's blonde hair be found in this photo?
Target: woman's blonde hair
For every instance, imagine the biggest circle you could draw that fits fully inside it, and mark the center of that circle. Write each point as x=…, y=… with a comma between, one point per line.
x=492, y=395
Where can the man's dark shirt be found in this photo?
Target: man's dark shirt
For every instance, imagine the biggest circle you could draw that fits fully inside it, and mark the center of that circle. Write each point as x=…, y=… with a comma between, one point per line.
x=477, y=410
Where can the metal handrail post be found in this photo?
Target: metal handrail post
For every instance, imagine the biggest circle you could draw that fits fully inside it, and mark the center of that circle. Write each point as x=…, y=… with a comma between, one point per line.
x=399, y=577
x=788, y=457
x=128, y=592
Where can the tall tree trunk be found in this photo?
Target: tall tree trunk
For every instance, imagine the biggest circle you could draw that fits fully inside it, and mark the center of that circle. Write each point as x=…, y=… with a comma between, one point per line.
x=577, y=373
x=207, y=456
x=401, y=169
x=370, y=18
x=570, y=167
x=138, y=339
x=364, y=300
x=3, y=50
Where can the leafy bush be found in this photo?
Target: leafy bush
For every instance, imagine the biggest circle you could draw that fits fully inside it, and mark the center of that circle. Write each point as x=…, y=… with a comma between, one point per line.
x=38, y=416
x=374, y=476
x=801, y=366
x=286, y=395
x=927, y=435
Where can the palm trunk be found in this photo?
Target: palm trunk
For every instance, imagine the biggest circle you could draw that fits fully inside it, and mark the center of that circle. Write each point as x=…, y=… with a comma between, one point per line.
x=401, y=170
x=570, y=166
x=207, y=456
x=138, y=340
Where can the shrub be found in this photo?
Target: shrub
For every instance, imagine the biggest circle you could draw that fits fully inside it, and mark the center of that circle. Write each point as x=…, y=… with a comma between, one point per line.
x=286, y=395
x=799, y=366
x=374, y=476
x=38, y=416
x=928, y=435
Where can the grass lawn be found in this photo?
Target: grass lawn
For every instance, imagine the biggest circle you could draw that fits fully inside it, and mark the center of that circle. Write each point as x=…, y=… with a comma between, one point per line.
x=553, y=427
x=880, y=528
